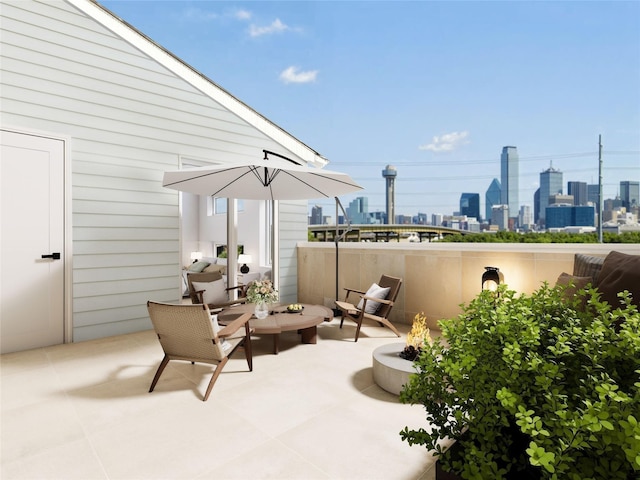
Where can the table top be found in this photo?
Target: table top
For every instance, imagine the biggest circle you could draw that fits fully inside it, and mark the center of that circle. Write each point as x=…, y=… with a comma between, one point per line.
x=279, y=320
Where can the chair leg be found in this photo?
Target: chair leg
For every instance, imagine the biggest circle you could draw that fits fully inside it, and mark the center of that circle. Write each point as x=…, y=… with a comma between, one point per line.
x=214, y=377
x=359, y=322
x=163, y=364
x=383, y=322
x=341, y=321
x=248, y=352
x=390, y=325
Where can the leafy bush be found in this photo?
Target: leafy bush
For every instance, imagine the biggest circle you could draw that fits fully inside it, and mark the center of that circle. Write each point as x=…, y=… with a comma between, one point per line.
x=543, y=237
x=533, y=386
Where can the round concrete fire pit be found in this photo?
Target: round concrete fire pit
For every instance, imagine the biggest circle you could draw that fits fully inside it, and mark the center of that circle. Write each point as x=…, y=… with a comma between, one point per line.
x=390, y=371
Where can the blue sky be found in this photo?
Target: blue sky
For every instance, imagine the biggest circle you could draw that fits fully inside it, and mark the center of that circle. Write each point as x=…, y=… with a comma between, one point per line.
x=434, y=88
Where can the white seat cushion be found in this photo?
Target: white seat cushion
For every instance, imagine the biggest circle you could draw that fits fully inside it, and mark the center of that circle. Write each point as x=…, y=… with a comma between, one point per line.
x=375, y=291
x=214, y=292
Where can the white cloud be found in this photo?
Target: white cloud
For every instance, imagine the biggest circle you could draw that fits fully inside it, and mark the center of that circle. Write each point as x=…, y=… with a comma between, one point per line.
x=276, y=27
x=446, y=142
x=242, y=14
x=197, y=14
x=294, y=75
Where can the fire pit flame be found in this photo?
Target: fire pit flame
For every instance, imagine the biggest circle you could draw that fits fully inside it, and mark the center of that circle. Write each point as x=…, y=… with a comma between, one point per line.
x=416, y=338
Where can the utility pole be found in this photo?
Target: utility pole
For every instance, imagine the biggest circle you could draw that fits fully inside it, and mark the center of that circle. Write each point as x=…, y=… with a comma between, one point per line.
x=600, y=202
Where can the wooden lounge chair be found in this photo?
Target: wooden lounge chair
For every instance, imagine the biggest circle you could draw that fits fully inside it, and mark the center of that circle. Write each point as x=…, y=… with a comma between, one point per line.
x=379, y=307
x=197, y=295
x=187, y=332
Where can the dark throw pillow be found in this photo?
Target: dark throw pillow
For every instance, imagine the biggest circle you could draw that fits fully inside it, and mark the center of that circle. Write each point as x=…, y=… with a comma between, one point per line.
x=619, y=272
x=578, y=282
x=587, y=266
x=572, y=284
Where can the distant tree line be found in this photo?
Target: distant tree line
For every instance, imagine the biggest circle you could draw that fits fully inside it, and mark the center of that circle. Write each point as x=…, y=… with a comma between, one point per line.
x=533, y=237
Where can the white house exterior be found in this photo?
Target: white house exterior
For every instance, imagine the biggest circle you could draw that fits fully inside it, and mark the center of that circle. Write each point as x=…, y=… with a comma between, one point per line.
x=125, y=110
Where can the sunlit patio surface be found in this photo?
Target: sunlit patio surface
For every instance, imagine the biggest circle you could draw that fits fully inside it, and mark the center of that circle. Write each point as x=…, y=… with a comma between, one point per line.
x=311, y=412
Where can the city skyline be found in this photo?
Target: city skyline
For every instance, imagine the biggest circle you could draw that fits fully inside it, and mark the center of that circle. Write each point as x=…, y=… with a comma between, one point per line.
x=434, y=89
x=611, y=190
x=528, y=216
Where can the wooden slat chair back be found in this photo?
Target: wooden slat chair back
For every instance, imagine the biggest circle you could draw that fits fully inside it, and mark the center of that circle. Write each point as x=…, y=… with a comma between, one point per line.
x=197, y=296
x=394, y=284
x=381, y=315
x=186, y=332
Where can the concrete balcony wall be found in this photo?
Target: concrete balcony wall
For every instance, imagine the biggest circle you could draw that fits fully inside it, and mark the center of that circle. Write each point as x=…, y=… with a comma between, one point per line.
x=438, y=277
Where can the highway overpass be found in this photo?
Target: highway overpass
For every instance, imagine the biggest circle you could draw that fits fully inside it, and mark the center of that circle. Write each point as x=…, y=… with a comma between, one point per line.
x=383, y=233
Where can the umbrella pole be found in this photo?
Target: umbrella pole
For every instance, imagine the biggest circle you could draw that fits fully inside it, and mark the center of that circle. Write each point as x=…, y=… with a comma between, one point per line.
x=336, y=310
x=337, y=237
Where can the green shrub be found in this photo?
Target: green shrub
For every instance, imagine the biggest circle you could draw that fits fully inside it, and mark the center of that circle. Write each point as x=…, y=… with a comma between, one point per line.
x=504, y=236
x=533, y=386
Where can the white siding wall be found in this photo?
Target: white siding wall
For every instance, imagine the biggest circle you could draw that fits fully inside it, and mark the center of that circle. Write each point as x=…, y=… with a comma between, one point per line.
x=129, y=120
x=293, y=229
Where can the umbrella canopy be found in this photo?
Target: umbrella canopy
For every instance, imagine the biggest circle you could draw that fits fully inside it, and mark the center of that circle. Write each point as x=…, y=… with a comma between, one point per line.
x=269, y=179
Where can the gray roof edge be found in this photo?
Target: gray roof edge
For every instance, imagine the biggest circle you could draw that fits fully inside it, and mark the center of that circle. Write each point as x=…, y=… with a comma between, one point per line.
x=200, y=81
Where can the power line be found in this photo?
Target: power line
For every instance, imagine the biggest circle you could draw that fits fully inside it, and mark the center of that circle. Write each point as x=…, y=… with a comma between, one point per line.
x=431, y=178
x=531, y=158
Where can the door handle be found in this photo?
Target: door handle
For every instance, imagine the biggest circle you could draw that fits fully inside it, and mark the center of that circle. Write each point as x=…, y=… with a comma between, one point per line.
x=54, y=256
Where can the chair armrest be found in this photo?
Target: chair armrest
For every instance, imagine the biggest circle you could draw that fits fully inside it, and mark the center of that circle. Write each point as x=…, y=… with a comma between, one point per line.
x=233, y=327
x=379, y=300
x=363, y=312
x=350, y=291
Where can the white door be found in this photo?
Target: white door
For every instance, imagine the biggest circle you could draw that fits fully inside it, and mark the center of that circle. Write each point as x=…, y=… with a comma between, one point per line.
x=31, y=237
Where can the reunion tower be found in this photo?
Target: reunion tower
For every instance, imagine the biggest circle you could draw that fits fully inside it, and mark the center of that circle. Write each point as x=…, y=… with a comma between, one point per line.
x=389, y=174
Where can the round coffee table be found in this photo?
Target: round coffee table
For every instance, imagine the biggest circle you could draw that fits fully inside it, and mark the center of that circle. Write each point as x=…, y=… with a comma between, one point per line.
x=279, y=320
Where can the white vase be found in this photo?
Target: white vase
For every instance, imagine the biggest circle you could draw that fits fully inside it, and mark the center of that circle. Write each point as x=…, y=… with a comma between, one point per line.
x=262, y=310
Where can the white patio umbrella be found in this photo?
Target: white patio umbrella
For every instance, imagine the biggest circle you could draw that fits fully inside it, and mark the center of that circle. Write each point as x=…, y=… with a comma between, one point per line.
x=262, y=180
x=266, y=179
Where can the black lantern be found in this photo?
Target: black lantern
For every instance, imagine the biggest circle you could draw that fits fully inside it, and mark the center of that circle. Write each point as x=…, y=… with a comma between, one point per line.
x=491, y=278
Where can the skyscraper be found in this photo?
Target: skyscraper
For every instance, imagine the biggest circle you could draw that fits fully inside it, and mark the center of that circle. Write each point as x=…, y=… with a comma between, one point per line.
x=536, y=206
x=509, y=174
x=492, y=197
x=358, y=211
x=579, y=192
x=560, y=216
x=390, y=174
x=500, y=216
x=470, y=205
x=525, y=217
x=593, y=194
x=629, y=193
x=612, y=203
x=316, y=215
x=420, y=219
x=550, y=184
